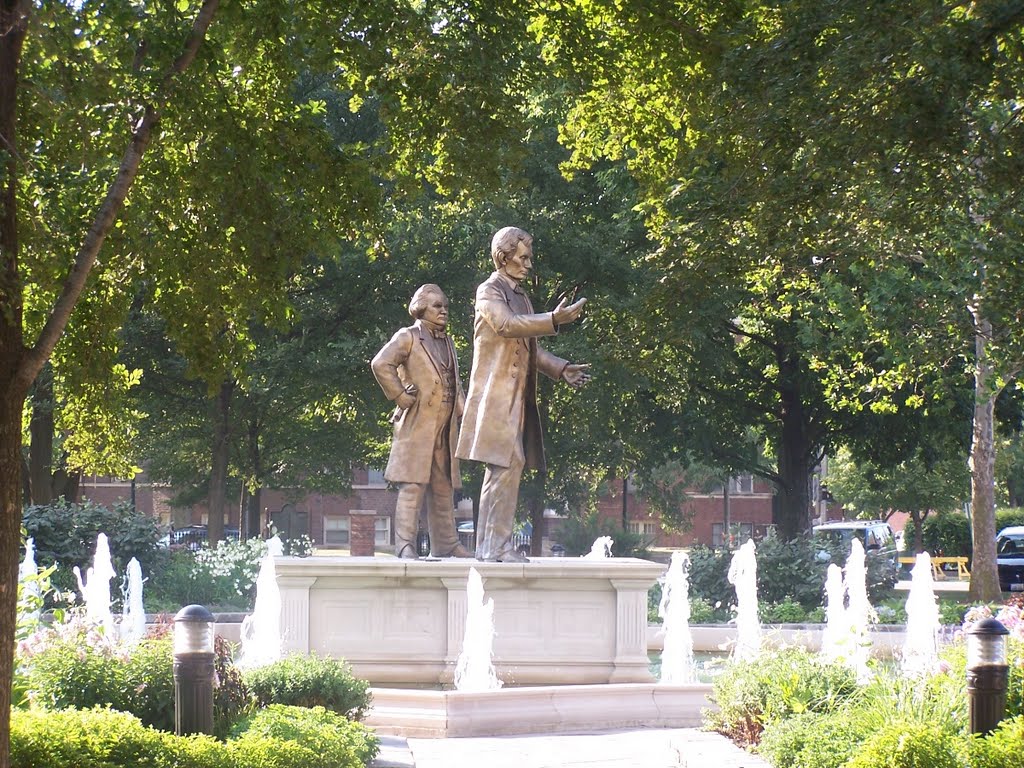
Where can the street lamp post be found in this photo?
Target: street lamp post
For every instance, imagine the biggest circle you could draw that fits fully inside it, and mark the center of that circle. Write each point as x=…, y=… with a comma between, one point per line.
x=193, y=670
x=987, y=674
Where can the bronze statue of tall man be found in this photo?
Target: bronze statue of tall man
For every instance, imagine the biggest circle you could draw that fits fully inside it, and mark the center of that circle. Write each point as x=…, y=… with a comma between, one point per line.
x=501, y=425
x=419, y=371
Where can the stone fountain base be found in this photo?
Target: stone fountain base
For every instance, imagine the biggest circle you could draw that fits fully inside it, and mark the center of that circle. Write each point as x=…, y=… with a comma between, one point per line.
x=561, y=621
x=535, y=710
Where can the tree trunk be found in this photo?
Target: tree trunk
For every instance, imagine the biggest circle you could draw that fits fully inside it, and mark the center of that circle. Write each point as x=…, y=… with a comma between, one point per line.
x=217, y=496
x=726, y=515
x=984, y=578
x=792, y=513
x=21, y=364
x=13, y=384
x=41, y=429
x=11, y=406
x=252, y=508
x=918, y=521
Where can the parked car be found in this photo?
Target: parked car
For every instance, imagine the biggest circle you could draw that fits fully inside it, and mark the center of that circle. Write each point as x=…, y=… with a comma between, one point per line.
x=1010, y=558
x=192, y=537
x=875, y=535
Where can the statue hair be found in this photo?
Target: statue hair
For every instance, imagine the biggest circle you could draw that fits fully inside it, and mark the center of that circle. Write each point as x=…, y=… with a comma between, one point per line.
x=505, y=242
x=418, y=303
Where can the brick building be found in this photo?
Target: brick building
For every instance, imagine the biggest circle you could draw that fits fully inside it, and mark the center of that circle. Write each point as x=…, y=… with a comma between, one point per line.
x=328, y=519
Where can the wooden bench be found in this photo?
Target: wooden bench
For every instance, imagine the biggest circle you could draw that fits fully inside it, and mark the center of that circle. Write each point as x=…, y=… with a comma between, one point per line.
x=939, y=566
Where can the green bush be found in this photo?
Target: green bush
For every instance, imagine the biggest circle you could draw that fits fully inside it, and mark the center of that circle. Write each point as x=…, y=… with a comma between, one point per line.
x=309, y=681
x=65, y=533
x=94, y=738
x=578, y=534
x=281, y=737
x=319, y=738
x=787, y=572
x=952, y=684
x=910, y=745
x=77, y=669
x=1000, y=749
x=708, y=576
x=70, y=667
x=223, y=577
x=701, y=611
x=948, y=533
x=73, y=666
x=780, y=683
x=1007, y=516
x=811, y=741
x=787, y=612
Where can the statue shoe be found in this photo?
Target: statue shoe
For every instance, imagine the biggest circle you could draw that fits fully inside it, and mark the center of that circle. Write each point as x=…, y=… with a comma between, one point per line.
x=407, y=552
x=457, y=551
x=513, y=556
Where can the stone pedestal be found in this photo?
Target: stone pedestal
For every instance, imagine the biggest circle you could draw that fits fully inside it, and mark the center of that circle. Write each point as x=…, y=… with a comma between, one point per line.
x=557, y=620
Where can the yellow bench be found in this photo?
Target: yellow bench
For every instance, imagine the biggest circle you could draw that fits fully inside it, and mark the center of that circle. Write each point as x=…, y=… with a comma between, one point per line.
x=939, y=563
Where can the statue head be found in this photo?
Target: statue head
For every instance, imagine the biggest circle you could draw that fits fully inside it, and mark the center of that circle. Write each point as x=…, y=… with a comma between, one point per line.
x=506, y=242
x=420, y=299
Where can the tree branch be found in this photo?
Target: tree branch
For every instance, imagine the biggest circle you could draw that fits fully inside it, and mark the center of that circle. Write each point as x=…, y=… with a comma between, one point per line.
x=74, y=283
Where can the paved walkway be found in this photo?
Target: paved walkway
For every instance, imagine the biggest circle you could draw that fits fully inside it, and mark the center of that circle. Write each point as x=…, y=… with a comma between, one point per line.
x=637, y=748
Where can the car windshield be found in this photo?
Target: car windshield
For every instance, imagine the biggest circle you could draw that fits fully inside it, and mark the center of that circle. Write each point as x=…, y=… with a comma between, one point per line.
x=1010, y=546
x=837, y=535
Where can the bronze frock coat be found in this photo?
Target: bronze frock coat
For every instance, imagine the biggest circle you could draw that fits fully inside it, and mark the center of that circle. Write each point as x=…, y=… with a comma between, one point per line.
x=502, y=403
x=406, y=361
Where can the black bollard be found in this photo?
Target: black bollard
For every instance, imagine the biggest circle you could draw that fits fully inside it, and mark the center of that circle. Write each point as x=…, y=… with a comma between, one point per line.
x=987, y=675
x=193, y=671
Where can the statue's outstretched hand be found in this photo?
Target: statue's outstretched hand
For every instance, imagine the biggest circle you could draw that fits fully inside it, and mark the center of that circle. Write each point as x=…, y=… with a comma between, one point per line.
x=563, y=314
x=576, y=375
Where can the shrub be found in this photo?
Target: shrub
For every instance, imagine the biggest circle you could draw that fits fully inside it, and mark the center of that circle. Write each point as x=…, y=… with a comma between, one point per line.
x=751, y=695
x=787, y=612
x=223, y=577
x=148, y=691
x=1008, y=516
x=790, y=570
x=708, y=571
x=787, y=571
x=282, y=737
x=811, y=741
x=77, y=669
x=76, y=739
x=1001, y=748
x=910, y=745
x=948, y=533
x=72, y=666
x=319, y=738
x=701, y=611
x=230, y=696
x=309, y=681
x=66, y=533
x=578, y=534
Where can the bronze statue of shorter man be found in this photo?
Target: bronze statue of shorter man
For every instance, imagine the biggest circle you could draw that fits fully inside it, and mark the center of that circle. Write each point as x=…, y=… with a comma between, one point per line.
x=502, y=423
x=418, y=370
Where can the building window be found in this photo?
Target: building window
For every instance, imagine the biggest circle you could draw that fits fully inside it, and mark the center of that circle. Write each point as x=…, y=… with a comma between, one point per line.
x=382, y=532
x=740, y=532
x=336, y=531
x=741, y=484
x=375, y=477
x=646, y=529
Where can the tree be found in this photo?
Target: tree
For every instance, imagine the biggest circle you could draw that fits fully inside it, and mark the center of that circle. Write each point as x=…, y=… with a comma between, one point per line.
x=833, y=155
x=25, y=358
x=917, y=486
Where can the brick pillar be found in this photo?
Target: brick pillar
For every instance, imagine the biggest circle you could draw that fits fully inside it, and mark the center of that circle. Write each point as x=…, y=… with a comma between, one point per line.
x=361, y=532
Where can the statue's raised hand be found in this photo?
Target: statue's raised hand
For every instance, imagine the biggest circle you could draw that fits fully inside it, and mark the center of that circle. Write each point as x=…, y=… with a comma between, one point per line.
x=567, y=313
